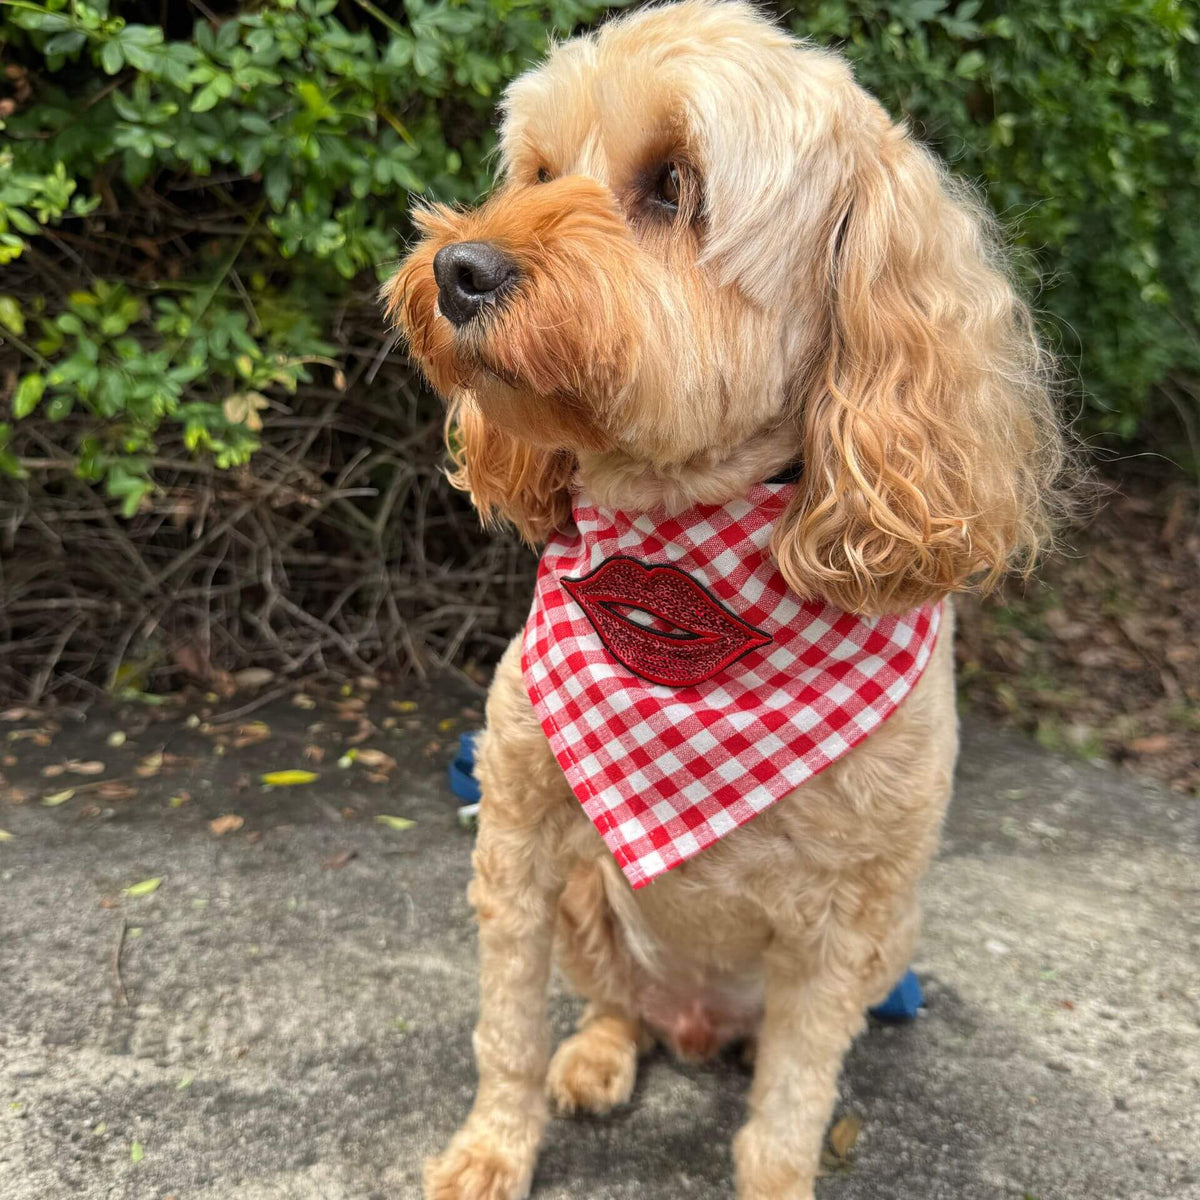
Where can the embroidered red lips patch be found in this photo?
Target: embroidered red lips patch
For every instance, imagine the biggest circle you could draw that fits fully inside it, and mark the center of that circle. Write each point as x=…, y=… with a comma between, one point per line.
x=660, y=623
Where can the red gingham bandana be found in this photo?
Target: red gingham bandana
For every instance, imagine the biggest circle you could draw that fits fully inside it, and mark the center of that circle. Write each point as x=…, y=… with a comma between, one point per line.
x=684, y=688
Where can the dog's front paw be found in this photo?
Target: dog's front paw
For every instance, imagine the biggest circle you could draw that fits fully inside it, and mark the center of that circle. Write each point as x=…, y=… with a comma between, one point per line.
x=478, y=1166
x=592, y=1072
x=766, y=1171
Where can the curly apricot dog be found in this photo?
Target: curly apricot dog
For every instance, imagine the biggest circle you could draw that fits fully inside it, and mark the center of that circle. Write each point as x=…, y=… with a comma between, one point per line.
x=747, y=359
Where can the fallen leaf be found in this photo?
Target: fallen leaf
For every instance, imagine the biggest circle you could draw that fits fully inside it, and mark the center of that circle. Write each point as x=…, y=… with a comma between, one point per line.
x=376, y=759
x=39, y=737
x=18, y=795
x=53, y=770
x=136, y=1152
x=116, y=738
x=109, y=902
x=337, y=861
x=287, y=778
x=404, y=706
x=300, y=700
x=253, y=677
x=180, y=800
x=365, y=730
x=18, y=714
x=377, y=777
x=185, y=1082
x=368, y=683
x=150, y=765
x=348, y=759
x=844, y=1134
x=399, y=824
x=251, y=733
x=142, y=889
x=1154, y=744
x=229, y=823
x=115, y=789
x=54, y=799
x=448, y=724
x=314, y=754
x=86, y=768
x=5, y=836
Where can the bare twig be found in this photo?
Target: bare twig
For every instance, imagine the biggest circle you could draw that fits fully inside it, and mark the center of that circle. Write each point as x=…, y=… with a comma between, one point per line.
x=119, y=986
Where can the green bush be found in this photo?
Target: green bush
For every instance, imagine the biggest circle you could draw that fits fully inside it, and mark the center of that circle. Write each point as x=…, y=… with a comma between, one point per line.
x=279, y=144
x=1082, y=119
x=253, y=170
x=197, y=201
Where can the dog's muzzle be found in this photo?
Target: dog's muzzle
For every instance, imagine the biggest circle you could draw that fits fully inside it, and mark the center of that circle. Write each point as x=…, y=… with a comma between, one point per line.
x=470, y=276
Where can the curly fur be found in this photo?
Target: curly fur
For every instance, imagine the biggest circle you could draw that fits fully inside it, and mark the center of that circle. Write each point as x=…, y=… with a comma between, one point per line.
x=826, y=292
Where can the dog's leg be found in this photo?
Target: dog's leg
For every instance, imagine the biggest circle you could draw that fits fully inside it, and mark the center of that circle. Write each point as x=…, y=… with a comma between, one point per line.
x=815, y=1005
x=594, y=1070
x=519, y=875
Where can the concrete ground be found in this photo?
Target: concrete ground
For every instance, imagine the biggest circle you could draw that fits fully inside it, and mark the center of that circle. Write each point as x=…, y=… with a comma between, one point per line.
x=300, y=991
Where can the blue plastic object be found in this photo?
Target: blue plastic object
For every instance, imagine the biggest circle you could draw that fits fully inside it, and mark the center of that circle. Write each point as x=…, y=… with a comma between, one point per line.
x=461, y=773
x=903, y=1002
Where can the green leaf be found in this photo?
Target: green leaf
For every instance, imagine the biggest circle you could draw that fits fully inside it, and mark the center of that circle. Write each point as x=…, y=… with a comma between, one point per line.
x=206, y=98
x=136, y=1152
x=288, y=778
x=65, y=43
x=971, y=64
x=29, y=392
x=144, y=888
x=11, y=316
x=399, y=824
x=43, y=22
x=425, y=57
x=59, y=407
x=112, y=58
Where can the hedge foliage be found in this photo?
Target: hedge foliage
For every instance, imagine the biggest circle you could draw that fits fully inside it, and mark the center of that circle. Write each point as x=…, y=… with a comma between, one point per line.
x=1082, y=119
x=283, y=140
x=223, y=186
x=198, y=199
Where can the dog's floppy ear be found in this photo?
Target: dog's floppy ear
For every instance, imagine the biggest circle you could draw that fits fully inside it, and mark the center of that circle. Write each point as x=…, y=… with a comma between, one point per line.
x=931, y=440
x=508, y=479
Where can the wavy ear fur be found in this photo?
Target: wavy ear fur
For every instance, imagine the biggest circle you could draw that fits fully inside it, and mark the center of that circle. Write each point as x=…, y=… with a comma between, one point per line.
x=508, y=479
x=932, y=442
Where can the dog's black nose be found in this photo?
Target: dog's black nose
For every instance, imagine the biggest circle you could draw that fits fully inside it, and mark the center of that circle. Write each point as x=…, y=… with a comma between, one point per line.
x=470, y=275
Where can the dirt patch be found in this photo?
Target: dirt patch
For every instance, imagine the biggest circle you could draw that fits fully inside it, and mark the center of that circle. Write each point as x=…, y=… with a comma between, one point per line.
x=1101, y=654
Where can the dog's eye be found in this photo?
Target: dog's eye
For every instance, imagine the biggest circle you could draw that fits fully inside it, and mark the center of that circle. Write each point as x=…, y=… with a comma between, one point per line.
x=667, y=191
x=543, y=175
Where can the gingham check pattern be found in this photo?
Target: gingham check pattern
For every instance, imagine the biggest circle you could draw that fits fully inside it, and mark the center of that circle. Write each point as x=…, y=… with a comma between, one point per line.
x=663, y=772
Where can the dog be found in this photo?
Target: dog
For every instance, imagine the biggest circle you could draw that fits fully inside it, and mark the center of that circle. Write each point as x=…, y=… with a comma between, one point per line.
x=717, y=288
